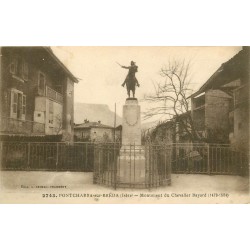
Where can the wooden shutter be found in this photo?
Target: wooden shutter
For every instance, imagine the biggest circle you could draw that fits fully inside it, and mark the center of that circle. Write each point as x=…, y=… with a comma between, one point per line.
x=24, y=105
x=13, y=106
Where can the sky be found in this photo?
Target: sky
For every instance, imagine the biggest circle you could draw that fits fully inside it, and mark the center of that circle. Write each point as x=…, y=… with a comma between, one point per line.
x=101, y=77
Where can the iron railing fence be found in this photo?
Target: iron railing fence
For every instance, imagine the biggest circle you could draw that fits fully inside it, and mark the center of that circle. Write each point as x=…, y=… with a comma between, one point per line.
x=208, y=159
x=47, y=156
x=105, y=164
x=184, y=158
x=158, y=164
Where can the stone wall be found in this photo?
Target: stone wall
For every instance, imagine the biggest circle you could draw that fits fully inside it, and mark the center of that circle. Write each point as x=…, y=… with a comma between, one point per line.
x=217, y=108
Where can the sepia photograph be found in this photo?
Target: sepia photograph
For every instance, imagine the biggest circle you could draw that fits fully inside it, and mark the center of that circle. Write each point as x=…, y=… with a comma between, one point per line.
x=124, y=124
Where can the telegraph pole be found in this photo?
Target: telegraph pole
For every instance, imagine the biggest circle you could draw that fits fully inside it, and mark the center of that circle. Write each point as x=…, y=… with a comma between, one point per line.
x=115, y=122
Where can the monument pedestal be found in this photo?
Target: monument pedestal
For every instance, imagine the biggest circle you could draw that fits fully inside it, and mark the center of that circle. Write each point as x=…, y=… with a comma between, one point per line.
x=131, y=162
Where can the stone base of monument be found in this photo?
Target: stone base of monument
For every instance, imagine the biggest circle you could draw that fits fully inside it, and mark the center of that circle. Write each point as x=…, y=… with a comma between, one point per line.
x=131, y=163
x=131, y=167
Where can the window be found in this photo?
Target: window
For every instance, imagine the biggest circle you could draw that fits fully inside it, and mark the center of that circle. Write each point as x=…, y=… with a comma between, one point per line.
x=13, y=66
x=25, y=70
x=18, y=104
x=24, y=105
x=41, y=83
x=19, y=67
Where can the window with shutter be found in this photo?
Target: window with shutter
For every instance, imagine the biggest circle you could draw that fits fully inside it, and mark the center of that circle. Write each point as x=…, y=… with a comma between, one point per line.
x=25, y=70
x=13, y=65
x=18, y=104
x=19, y=67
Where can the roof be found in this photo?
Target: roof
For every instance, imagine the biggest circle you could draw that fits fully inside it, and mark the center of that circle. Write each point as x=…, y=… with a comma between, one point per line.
x=33, y=51
x=91, y=125
x=62, y=66
x=228, y=71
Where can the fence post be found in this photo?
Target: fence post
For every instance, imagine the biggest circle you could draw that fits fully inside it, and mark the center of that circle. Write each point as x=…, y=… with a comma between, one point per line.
x=1, y=156
x=208, y=160
x=28, y=165
x=57, y=156
x=114, y=171
x=86, y=158
x=150, y=166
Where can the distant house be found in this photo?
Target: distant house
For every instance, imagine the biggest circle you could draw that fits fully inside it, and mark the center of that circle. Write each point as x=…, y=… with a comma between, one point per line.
x=37, y=93
x=220, y=108
x=93, y=132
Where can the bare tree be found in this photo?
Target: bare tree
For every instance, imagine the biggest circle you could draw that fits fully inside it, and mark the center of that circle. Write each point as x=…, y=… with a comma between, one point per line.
x=171, y=98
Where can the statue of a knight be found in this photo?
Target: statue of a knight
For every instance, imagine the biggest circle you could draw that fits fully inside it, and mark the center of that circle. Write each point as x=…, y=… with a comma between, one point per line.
x=130, y=79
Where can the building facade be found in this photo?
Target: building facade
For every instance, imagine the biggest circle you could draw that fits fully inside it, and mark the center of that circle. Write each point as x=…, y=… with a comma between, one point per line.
x=220, y=108
x=94, y=132
x=210, y=114
x=37, y=93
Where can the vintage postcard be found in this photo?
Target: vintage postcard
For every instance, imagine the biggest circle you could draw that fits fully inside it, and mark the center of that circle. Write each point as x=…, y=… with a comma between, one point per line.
x=124, y=124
